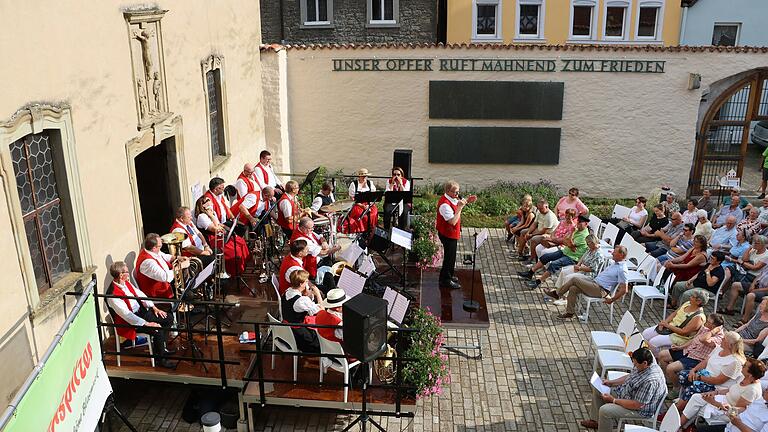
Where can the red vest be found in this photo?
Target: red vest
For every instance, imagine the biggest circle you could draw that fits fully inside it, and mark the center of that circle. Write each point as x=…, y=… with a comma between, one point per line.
x=287, y=263
x=310, y=262
x=264, y=174
x=191, y=234
x=126, y=332
x=252, y=210
x=151, y=287
x=443, y=227
x=281, y=219
x=218, y=207
x=249, y=184
x=326, y=318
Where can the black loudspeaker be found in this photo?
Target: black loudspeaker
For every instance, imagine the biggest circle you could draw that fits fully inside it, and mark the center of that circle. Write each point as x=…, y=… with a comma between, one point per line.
x=402, y=159
x=365, y=327
x=380, y=241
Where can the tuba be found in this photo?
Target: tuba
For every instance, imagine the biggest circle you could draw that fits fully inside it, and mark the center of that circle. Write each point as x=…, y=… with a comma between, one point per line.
x=183, y=272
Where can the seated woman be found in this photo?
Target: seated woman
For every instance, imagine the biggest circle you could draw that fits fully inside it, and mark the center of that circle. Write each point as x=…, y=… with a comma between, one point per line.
x=704, y=225
x=756, y=292
x=657, y=221
x=754, y=418
x=299, y=306
x=541, y=245
x=690, y=215
x=525, y=223
x=692, y=352
x=719, y=371
x=751, y=224
x=570, y=201
x=138, y=314
x=360, y=217
x=677, y=246
x=755, y=330
x=715, y=404
x=708, y=279
x=513, y=220
x=680, y=326
x=636, y=218
x=745, y=270
x=688, y=265
x=236, y=251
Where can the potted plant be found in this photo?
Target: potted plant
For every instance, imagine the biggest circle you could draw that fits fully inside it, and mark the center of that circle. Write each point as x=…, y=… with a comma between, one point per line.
x=428, y=371
x=426, y=249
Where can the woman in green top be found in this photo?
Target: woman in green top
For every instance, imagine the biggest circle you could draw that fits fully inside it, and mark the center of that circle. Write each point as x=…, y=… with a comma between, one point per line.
x=574, y=246
x=680, y=326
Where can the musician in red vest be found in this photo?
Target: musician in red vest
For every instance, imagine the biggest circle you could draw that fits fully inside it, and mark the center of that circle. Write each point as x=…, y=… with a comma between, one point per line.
x=154, y=270
x=265, y=175
x=215, y=192
x=246, y=182
x=288, y=213
x=236, y=251
x=332, y=315
x=291, y=262
x=317, y=246
x=449, y=230
x=195, y=243
x=138, y=313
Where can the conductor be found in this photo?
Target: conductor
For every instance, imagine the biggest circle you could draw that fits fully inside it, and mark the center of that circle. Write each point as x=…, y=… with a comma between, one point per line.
x=449, y=230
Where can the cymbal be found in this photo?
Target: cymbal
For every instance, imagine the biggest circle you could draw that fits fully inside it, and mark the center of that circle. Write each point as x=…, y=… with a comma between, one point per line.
x=173, y=238
x=341, y=205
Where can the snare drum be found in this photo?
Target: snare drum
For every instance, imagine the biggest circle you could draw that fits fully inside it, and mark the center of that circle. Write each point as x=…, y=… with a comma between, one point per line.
x=323, y=228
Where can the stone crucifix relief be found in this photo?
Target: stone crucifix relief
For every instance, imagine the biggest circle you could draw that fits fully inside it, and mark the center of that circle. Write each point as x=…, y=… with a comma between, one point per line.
x=143, y=35
x=146, y=43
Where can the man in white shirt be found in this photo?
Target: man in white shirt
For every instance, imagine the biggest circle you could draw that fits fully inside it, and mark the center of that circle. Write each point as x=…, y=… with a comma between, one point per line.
x=448, y=224
x=195, y=243
x=545, y=223
x=265, y=175
x=246, y=182
x=153, y=268
x=128, y=310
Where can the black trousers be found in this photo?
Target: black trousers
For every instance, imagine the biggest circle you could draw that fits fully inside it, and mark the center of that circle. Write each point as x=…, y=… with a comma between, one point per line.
x=449, y=257
x=158, y=335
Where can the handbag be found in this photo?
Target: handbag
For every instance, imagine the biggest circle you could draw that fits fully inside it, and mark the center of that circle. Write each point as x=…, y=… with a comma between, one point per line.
x=665, y=331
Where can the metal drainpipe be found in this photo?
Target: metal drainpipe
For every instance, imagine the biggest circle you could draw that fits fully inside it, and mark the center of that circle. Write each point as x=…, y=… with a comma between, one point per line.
x=682, y=25
x=282, y=24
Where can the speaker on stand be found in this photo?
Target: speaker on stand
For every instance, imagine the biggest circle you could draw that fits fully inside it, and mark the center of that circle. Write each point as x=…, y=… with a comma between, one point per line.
x=365, y=338
x=402, y=159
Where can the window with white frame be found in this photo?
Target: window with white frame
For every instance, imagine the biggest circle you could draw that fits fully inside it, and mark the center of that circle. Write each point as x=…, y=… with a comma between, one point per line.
x=316, y=12
x=530, y=19
x=649, y=18
x=383, y=12
x=582, y=19
x=726, y=34
x=616, y=18
x=486, y=20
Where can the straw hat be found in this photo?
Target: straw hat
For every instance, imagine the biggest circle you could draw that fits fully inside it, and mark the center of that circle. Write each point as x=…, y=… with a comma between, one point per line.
x=335, y=298
x=362, y=172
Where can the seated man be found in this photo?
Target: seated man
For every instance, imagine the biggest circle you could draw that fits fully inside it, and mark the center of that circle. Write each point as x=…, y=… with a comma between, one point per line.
x=614, y=276
x=706, y=202
x=703, y=226
x=291, y=263
x=732, y=209
x=128, y=311
x=288, y=209
x=746, y=270
x=664, y=236
x=574, y=246
x=154, y=272
x=317, y=247
x=724, y=237
x=246, y=182
x=195, y=243
x=544, y=223
x=709, y=279
x=735, y=195
x=299, y=303
x=548, y=243
x=331, y=315
x=633, y=396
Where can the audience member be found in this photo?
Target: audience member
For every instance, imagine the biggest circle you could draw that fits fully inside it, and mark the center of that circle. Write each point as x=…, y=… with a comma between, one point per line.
x=691, y=215
x=548, y=243
x=664, y=236
x=757, y=290
x=732, y=209
x=545, y=223
x=656, y=222
x=574, y=246
x=704, y=226
x=751, y=224
x=524, y=224
x=745, y=270
x=515, y=219
x=706, y=202
x=680, y=326
x=670, y=205
x=735, y=195
x=571, y=201
x=724, y=237
x=677, y=246
x=755, y=330
x=708, y=279
x=753, y=419
x=688, y=264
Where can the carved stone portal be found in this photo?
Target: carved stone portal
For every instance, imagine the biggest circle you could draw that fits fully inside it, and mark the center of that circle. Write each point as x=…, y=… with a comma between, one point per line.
x=148, y=63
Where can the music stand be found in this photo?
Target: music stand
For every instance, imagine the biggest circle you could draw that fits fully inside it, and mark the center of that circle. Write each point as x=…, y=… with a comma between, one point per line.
x=188, y=289
x=370, y=198
x=396, y=198
x=473, y=305
x=309, y=180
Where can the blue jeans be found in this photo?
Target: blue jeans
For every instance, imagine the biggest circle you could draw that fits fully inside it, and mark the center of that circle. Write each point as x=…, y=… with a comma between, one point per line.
x=556, y=261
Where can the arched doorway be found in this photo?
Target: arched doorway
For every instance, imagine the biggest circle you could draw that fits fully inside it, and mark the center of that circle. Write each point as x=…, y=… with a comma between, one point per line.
x=723, y=137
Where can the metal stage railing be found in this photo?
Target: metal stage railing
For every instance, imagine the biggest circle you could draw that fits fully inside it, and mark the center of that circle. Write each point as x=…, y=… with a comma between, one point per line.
x=257, y=367
x=217, y=308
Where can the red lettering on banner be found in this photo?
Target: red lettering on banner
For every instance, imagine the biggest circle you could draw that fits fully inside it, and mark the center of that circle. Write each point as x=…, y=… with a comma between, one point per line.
x=78, y=373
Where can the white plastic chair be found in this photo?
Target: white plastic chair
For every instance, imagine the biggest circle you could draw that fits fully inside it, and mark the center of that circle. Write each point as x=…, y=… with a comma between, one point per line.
x=645, y=272
x=647, y=292
x=119, y=348
x=337, y=363
x=723, y=284
x=636, y=253
x=615, y=340
x=596, y=225
x=608, y=238
x=276, y=286
x=598, y=300
x=619, y=211
x=283, y=340
x=670, y=422
x=656, y=283
x=611, y=360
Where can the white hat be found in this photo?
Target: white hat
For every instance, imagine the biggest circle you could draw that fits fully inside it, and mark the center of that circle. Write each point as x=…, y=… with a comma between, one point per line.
x=335, y=298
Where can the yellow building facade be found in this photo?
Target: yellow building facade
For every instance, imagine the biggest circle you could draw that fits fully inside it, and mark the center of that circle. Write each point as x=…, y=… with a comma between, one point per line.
x=559, y=22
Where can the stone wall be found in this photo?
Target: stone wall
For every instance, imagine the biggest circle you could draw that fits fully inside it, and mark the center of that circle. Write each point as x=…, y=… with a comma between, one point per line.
x=417, y=21
x=623, y=134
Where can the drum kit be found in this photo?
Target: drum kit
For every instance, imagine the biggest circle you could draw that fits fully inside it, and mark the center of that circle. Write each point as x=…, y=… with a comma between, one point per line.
x=327, y=225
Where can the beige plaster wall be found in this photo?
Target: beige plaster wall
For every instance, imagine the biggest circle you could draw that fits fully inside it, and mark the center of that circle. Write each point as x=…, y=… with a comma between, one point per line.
x=622, y=134
x=78, y=51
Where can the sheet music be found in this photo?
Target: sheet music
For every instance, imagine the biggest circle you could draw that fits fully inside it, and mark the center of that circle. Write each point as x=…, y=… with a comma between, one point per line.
x=401, y=238
x=597, y=383
x=398, y=305
x=231, y=231
x=351, y=282
x=205, y=274
x=367, y=267
x=352, y=253
x=482, y=236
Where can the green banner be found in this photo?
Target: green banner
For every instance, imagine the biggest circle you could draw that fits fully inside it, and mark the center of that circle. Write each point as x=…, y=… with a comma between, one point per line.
x=69, y=392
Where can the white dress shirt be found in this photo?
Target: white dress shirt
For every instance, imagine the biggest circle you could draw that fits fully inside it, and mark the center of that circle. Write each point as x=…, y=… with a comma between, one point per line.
x=129, y=315
x=242, y=186
x=197, y=238
x=313, y=245
x=159, y=272
x=406, y=185
x=223, y=205
x=272, y=179
x=446, y=211
x=318, y=202
x=286, y=208
x=363, y=188
x=251, y=200
x=204, y=222
x=303, y=303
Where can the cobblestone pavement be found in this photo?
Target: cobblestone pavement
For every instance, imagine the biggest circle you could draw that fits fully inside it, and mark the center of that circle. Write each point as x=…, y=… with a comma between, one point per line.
x=533, y=375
